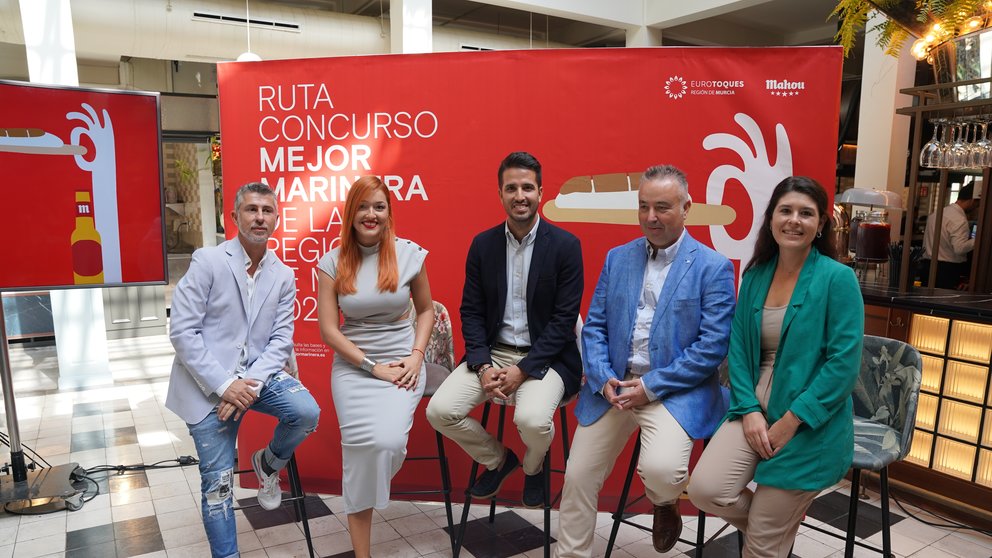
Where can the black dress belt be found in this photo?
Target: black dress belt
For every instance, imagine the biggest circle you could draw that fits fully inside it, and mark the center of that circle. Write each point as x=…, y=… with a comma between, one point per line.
x=513, y=348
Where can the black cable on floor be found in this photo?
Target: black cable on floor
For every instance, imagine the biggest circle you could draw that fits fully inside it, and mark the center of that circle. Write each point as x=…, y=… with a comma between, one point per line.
x=81, y=474
x=950, y=523
x=181, y=461
x=96, y=485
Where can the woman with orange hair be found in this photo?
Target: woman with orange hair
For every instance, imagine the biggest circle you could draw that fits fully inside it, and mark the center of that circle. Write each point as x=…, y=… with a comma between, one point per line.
x=376, y=382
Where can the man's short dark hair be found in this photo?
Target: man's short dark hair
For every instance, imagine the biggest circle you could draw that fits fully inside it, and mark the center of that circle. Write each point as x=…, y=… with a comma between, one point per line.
x=254, y=188
x=966, y=192
x=520, y=160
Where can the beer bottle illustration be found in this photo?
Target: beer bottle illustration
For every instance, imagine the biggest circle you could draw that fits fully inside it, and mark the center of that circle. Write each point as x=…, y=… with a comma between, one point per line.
x=87, y=251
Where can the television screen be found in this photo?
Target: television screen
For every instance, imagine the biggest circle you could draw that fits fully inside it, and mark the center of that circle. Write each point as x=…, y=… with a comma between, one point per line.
x=83, y=187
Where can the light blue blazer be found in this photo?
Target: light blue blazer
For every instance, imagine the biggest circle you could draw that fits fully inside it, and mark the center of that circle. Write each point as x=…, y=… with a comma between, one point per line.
x=211, y=320
x=689, y=335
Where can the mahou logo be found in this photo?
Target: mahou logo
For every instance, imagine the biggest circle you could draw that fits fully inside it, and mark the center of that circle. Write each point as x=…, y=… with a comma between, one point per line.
x=676, y=87
x=784, y=88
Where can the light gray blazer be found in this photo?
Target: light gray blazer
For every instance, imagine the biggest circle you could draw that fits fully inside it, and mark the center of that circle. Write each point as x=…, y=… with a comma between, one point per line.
x=211, y=320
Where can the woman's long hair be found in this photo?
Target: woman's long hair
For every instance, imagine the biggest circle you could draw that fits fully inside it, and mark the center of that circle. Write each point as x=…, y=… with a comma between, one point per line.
x=765, y=248
x=350, y=256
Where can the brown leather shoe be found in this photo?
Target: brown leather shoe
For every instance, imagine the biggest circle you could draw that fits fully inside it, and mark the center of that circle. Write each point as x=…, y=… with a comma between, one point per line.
x=667, y=526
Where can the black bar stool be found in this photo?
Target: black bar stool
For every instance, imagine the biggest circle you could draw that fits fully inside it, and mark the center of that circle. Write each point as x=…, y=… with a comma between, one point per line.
x=622, y=505
x=297, y=497
x=439, y=359
x=436, y=374
x=549, y=501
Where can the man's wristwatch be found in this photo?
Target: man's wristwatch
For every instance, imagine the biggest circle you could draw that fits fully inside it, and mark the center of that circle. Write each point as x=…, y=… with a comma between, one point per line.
x=368, y=364
x=480, y=369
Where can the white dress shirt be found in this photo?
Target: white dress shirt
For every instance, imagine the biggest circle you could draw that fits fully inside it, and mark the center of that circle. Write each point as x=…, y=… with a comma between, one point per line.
x=955, y=235
x=655, y=273
x=243, y=359
x=513, y=329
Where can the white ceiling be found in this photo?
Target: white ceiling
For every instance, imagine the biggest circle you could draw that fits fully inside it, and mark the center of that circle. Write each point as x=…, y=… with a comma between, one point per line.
x=102, y=35
x=750, y=22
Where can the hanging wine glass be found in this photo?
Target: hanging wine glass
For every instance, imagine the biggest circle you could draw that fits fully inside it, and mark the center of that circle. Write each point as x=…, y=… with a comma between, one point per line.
x=944, y=159
x=928, y=155
x=983, y=147
x=959, y=150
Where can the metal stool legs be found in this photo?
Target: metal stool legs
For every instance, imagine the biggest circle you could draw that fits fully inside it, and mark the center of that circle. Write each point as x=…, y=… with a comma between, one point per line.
x=442, y=460
x=622, y=505
x=296, y=496
x=852, y=514
x=549, y=501
x=850, y=540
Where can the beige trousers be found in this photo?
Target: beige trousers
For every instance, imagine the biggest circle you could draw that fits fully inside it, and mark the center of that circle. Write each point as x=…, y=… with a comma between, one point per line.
x=535, y=404
x=663, y=467
x=769, y=517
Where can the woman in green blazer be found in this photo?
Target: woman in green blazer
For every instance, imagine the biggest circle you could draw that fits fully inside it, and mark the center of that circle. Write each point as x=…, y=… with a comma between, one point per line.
x=795, y=350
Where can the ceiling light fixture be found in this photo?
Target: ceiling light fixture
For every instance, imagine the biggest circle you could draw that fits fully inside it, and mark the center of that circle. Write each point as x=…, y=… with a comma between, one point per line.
x=248, y=55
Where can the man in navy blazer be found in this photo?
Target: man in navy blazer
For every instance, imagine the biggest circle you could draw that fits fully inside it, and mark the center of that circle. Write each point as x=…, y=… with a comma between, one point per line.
x=232, y=328
x=520, y=304
x=658, y=329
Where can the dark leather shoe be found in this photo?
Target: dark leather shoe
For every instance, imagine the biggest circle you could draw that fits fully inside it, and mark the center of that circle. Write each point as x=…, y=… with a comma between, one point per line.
x=667, y=526
x=534, y=491
x=489, y=483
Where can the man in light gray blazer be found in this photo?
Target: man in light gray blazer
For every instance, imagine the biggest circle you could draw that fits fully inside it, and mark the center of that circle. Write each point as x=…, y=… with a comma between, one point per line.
x=658, y=328
x=232, y=328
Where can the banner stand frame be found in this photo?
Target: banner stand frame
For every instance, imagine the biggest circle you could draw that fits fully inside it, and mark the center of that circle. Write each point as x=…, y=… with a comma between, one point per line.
x=44, y=490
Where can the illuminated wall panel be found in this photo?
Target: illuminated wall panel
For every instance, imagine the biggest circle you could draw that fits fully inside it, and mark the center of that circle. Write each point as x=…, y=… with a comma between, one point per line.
x=960, y=420
x=929, y=333
x=970, y=341
x=954, y=458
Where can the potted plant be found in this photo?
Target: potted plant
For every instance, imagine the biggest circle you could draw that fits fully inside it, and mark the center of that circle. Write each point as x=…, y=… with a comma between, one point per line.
x=932, y=22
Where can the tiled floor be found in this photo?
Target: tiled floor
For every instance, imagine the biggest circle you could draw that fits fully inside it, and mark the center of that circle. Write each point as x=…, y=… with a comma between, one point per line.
x=155, y=512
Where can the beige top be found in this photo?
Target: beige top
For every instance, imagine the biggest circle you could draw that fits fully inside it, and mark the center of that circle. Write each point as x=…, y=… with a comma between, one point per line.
x=771, y=333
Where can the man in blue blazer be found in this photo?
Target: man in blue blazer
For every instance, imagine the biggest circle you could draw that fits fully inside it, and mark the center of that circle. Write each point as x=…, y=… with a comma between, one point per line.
x=232, y=328
x=520, y=304
x=657, y=330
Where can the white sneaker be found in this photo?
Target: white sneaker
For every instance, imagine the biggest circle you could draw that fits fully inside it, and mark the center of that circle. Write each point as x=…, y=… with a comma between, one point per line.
x=269, y=493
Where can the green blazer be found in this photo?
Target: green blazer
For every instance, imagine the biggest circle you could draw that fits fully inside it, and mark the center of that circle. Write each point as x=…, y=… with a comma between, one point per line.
x=816, y=367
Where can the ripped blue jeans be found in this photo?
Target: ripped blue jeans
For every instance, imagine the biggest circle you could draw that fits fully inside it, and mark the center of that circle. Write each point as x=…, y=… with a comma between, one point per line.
x=282, y=397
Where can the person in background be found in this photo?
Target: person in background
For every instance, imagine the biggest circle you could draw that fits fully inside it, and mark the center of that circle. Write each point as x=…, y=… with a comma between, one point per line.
x=956, y=242
x=520, y=304
x=795, y=355
x=376, y=376
x=232, y=328
x=657, y=331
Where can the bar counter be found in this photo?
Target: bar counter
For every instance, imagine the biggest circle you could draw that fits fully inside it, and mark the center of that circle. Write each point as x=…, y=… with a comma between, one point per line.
x=943, y=302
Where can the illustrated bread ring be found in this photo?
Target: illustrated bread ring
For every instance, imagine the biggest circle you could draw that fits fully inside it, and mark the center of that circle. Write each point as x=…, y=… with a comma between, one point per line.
x=612, y=199
x=35, y=141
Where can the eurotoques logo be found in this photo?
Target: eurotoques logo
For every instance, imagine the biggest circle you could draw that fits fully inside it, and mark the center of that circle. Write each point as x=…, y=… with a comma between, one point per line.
x=676, y=87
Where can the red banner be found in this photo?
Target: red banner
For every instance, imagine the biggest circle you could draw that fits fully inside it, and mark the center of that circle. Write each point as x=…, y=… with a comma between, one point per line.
x=83, y=186
x=436, y=126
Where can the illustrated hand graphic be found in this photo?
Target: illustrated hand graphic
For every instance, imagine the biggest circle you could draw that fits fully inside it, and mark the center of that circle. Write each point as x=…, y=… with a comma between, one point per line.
x=757, y=173
x=103, y=171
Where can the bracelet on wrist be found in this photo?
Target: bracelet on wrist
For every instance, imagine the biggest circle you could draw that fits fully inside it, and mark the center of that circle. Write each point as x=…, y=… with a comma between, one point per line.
x=367, y=364
x=422, y=353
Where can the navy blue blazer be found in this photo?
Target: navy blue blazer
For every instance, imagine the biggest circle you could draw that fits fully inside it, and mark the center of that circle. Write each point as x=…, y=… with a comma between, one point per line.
x=554, y=294
x=690, y=333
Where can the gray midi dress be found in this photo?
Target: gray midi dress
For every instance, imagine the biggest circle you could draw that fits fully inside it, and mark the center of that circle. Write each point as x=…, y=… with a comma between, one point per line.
x=374, y=415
